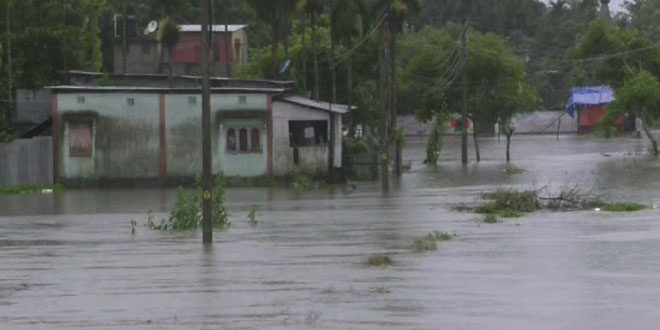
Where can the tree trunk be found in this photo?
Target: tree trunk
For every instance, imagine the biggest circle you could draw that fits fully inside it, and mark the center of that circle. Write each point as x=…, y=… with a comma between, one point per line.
x=317, y=89
x=476, y=140
x=385, y=100
x=349, y=77
x=654, y=143
x=304, y=55
x=508, y=146
x=394, y=100
x=228, y=51
x=170, y=51
x=274, y=51
x=464, y=133
x=333, y=71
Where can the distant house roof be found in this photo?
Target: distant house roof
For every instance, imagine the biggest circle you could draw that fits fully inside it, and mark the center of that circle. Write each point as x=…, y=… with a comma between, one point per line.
x=216, y=27
x=303, y=101
x=125, y=89
x=595, y=95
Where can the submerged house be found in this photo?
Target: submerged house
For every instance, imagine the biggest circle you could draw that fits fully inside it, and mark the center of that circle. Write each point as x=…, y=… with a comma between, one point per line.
x=128, y=135
x=589, y=104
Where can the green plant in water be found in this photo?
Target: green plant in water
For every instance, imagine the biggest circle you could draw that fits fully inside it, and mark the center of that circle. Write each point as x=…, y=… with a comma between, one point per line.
x=434, y=142
x=510, y=203
x=379, y=260
x=186, y=213
x=252, y=216
x=133, y=227
x=379, y=289
x=511, y=171
x=302, y=182
x=490, y=218
x=220, y=215
x=429, y=242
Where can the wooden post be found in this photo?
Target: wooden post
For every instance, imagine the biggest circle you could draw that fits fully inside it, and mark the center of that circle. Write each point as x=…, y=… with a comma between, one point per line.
x=207, y=191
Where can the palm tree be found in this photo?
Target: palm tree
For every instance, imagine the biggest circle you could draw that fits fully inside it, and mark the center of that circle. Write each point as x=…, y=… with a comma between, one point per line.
x=346, y=18
x=276, y=14
x=313, y=8
x=168, y=36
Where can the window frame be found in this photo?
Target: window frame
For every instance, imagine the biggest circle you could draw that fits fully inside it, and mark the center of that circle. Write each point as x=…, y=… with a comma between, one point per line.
x=77, y=151
x=249, y=138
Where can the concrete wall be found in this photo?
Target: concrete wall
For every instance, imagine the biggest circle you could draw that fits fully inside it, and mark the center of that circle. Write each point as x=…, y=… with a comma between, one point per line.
x=125, y=139
x=146, y=56
x=143, y=56
x=314, y=159
x=157, y=137
x=236, y=164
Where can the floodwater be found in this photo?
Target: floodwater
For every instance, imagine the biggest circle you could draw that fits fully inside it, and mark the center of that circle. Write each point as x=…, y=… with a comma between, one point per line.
x=70, y=262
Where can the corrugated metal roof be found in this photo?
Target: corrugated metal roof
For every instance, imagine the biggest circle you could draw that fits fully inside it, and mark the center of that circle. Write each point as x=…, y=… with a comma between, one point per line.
x=336, y=108
x=216, y=27
x=594, y=95
x=115, y=89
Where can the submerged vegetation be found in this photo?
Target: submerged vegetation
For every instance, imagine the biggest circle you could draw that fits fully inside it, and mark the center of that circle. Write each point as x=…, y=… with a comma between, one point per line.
x=303, y=182
x=429, y=242
x=186, y=213
x=379, y=260
x=515, y=203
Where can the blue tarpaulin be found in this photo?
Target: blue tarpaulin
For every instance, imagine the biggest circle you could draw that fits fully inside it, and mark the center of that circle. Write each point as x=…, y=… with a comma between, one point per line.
x=588, y=96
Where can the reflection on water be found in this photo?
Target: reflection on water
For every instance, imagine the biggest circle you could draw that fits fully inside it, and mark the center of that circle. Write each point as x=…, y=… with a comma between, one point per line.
x=70, y=261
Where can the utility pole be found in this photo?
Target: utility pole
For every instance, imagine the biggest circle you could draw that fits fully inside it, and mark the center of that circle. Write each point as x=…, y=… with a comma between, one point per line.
x=10, y=77
x=124, y=37
x=464, y=133
x=207, y=191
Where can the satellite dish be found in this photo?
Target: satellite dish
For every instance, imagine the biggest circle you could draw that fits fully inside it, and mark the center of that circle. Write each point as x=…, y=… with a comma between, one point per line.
x=151, y=28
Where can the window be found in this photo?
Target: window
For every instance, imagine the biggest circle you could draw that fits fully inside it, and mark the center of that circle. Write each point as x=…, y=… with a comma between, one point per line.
x=308, y=133
x=80, y=139
x=255, y=140
x=242, y=99
x=130, y=101
x=192, y=100
x=231, y=140
x=80, y=99
x=243, y=140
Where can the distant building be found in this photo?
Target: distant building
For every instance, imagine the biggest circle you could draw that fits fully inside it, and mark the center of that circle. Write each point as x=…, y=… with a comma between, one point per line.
x=145, y=55
x=128, y=135
x=589, y=104
x=605, y=13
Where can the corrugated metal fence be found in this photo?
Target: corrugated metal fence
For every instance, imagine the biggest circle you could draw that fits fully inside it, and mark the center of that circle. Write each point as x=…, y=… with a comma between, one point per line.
x=27, y=161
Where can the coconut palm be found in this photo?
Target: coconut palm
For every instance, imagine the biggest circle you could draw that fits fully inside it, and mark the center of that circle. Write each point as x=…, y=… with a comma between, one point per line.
x=168, y=36
x=277, y=14
x=313, y=8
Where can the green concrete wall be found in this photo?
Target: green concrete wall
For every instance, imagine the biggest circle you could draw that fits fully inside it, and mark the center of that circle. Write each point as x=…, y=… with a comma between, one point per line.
x=243, y=164
x=126, y=137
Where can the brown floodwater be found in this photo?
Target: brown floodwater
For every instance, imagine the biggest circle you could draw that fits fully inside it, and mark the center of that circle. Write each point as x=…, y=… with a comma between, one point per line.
x=69, y=261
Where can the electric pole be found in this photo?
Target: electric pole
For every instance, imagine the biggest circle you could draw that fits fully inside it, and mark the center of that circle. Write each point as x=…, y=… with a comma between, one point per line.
x=207, y=191
x=124, y=37
x=10, y=77
x=464, y=133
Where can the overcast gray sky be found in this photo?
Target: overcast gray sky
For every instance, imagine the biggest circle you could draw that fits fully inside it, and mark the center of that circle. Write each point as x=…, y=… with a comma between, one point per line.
x=615, y=5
